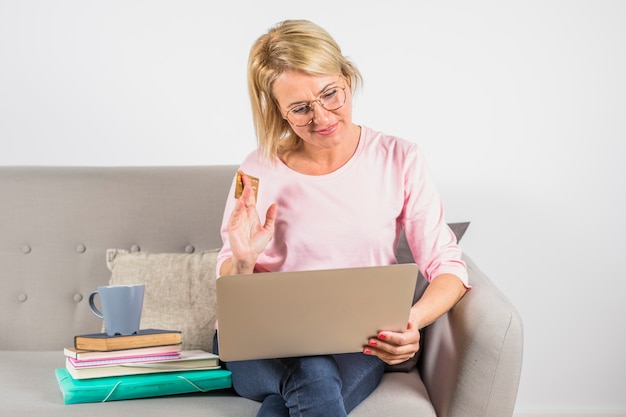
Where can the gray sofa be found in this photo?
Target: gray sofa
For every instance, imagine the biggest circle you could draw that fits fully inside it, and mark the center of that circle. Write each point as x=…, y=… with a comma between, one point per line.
x=56, y=224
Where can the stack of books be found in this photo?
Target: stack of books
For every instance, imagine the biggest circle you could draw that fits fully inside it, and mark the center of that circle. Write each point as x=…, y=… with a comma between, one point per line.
x=101, y=368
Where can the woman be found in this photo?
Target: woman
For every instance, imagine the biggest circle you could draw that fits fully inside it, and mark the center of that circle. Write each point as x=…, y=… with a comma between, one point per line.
x=333, y=194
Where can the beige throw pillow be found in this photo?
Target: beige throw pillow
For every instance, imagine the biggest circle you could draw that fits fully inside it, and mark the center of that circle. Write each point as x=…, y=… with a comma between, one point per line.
x=180, y=291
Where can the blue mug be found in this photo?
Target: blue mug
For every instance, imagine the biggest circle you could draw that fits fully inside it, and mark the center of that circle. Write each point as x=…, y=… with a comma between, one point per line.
x=121, y=308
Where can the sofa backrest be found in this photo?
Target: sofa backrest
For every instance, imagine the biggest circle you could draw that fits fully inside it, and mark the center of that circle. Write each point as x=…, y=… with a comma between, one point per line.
x=56, y=224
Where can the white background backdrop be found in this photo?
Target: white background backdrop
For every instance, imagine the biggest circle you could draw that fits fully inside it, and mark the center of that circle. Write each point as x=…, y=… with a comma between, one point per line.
x=520, y=108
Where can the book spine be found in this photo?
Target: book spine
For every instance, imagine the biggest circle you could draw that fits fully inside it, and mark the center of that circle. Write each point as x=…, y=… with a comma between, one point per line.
x=84, y=355
x=126, y=342
x=123, y=360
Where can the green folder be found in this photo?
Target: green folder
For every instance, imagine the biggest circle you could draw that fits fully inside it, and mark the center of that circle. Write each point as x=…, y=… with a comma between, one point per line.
x=139, y=386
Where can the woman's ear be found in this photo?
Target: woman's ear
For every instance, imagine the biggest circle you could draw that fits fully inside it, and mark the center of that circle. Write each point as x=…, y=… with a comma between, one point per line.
x=348, y=80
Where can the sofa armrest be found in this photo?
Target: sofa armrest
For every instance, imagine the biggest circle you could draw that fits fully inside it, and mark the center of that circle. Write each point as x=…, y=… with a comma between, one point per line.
x=472, y=356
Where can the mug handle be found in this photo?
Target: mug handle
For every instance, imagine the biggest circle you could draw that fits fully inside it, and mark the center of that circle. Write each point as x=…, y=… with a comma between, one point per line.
x=93, y=307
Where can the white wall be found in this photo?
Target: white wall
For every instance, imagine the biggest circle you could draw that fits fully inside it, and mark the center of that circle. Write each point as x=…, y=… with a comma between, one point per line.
x=520, y=107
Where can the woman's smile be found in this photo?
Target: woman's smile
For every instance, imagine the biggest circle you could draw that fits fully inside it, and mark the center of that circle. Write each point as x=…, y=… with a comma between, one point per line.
x=327, y=130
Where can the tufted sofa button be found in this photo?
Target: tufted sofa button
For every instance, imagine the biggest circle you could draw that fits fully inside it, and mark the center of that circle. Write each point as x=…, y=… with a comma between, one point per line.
x=22, y=297
x=190, y=249
x=135, y=248
x=26, y=249
x=80, y=248
x=78, y=297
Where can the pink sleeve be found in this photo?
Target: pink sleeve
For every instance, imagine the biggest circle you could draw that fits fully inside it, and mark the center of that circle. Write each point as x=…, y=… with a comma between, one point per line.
x=430, y=239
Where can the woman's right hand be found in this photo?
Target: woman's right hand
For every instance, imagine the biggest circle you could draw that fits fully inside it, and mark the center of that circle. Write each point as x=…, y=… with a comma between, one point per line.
x=248, y=237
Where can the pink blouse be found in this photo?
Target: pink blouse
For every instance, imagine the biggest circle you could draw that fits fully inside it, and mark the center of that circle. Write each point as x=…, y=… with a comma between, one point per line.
x=353, y=216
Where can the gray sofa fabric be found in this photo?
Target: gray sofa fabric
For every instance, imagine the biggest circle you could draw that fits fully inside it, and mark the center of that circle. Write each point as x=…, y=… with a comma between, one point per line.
x=56, y=224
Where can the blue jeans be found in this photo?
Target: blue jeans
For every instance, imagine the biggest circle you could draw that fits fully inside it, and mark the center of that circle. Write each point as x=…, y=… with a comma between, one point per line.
x=329, y=386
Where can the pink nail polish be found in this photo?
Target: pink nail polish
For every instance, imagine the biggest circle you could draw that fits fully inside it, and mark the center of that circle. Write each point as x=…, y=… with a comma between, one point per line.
x=382, y=336
x=367, y=351
x=373, y=343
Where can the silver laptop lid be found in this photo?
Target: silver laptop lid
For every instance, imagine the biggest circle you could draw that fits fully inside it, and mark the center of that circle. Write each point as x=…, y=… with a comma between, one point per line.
x=285, y=314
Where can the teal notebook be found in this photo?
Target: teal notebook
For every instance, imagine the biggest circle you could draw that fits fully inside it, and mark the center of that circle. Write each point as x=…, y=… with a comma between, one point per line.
x=139, y=386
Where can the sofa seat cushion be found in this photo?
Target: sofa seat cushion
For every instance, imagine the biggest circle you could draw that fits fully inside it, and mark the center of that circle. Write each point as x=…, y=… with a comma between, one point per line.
x=30, y=389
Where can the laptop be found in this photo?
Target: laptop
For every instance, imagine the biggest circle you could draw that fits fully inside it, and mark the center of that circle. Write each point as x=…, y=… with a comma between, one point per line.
x=302, y=313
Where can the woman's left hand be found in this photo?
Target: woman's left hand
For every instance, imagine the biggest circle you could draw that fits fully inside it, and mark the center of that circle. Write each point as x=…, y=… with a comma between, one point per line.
x=395, y=347
x=443, y=292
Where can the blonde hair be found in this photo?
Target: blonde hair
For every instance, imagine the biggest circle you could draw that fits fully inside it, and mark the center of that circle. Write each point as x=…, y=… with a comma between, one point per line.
x=291, y=45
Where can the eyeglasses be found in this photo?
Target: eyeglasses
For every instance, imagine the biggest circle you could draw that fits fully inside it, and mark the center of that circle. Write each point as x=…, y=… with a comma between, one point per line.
x=331, y=99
